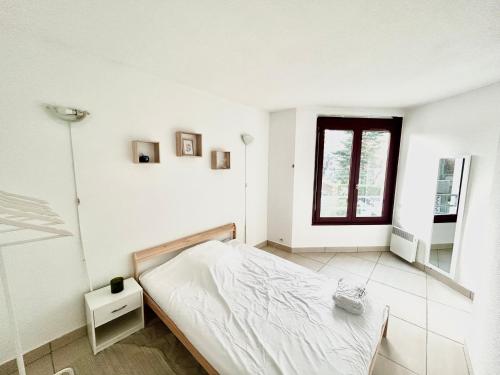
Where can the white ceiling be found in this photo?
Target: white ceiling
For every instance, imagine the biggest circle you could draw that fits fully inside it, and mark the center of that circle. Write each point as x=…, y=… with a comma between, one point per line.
x=276, y=54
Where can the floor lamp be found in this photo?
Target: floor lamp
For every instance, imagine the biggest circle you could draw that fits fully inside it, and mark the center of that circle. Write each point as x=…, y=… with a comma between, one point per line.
x=70, y=116
x=23, y=220
x=246, y=139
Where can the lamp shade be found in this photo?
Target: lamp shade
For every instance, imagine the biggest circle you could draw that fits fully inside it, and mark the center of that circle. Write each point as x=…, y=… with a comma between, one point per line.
x=247, y=139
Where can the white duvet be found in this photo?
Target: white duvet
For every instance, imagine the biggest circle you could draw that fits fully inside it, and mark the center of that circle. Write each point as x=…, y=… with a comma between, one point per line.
x=250, y=312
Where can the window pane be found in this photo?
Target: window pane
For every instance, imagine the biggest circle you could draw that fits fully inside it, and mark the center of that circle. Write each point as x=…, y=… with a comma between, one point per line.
x=448, y=186
x=372, y=172
x=336, y=172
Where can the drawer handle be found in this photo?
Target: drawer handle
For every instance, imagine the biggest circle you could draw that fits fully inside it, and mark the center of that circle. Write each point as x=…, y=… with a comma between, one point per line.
x=118, y=309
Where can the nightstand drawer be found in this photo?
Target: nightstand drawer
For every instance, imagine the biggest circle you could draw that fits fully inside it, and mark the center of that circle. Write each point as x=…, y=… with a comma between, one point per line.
x=115, y=309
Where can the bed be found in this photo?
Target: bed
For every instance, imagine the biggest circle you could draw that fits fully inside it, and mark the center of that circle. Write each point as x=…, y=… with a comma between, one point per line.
x=241, y=310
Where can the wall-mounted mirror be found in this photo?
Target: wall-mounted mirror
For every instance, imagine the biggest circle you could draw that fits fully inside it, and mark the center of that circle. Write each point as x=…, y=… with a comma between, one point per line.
x=449, y=203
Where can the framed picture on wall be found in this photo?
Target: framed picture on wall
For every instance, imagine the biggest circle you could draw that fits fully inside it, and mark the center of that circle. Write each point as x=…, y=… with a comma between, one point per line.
x=187, y=147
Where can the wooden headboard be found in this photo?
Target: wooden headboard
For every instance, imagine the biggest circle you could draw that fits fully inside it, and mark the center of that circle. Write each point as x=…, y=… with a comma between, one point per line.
x=224, y=231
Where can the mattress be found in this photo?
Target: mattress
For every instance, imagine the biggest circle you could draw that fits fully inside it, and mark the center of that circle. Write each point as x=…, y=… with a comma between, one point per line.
x=250, y=312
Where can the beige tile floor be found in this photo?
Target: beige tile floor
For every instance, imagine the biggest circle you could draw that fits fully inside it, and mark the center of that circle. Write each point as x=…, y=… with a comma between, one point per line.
x=426, y=328
x=428, y=319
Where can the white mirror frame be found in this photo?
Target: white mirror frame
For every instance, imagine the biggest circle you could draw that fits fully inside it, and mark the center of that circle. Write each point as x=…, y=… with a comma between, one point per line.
x=457, y=240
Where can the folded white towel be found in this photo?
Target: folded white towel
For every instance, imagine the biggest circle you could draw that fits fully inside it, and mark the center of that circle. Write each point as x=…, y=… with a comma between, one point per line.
x=350, y=297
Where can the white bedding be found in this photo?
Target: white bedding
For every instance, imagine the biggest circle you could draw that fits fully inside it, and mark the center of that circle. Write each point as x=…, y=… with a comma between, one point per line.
x=250, y=312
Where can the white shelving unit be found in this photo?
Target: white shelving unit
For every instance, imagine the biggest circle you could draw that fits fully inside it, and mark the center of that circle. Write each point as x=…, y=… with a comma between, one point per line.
x=23, y=220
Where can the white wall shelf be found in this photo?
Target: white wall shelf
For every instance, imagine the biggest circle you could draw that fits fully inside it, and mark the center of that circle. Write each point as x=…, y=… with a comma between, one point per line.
x=148, y=148
x=221, y=160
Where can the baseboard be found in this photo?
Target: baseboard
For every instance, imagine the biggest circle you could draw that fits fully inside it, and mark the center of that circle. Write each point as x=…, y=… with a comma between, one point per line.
x=326, y=249
x=279, y=246
x=445, y=280
x=339, y=249
x=308, y=250
x=261, y=245
x=467, y=359
x=418, y=265
x=442, y=246
x=29, y=357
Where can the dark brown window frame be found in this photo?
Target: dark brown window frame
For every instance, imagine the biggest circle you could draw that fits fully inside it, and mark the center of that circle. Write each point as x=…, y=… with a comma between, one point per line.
x=357, y=125
x=445, y=218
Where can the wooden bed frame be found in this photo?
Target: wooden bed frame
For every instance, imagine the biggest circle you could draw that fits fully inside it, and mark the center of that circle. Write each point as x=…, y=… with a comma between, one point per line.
x=224, y=231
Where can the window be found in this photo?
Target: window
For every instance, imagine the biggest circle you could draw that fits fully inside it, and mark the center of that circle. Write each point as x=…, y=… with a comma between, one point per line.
x=355, y=175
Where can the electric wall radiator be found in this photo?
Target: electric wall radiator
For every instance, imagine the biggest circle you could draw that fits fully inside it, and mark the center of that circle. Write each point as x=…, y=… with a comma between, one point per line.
x=404, y=244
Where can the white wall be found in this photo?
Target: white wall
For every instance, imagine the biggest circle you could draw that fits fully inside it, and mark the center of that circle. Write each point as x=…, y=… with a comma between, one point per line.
x=281, y=175
x=483, y=340
x=125, y=206
x=465, y=124
x=304, y=233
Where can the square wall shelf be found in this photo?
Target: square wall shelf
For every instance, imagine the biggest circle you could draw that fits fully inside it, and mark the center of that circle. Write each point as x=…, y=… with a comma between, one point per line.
x=188, y=144
x=221, y=160
x=146, y=148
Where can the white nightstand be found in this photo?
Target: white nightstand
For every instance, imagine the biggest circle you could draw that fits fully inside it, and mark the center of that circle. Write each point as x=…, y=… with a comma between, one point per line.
x=112, y=317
